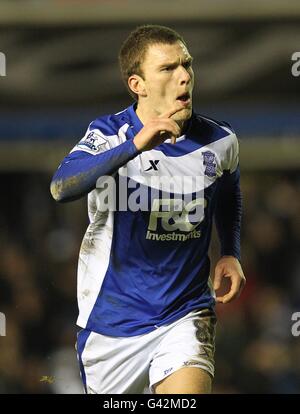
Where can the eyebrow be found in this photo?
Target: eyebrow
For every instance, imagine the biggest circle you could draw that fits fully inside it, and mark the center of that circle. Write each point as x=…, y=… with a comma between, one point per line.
x=174, y=63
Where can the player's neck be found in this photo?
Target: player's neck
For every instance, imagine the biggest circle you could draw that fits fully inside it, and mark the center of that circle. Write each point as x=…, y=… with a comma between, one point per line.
x=145, y=113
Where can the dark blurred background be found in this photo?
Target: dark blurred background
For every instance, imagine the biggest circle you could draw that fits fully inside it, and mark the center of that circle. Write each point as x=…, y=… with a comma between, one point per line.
x=61, y=73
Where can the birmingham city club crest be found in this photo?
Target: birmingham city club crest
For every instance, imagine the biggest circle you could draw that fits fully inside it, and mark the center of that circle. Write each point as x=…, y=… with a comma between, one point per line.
x=209, y=159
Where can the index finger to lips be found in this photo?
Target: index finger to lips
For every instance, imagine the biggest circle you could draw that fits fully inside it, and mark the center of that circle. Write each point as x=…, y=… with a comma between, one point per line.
x=171, y=112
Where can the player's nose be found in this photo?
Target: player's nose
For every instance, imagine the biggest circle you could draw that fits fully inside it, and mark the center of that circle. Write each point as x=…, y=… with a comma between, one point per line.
x=185, y=76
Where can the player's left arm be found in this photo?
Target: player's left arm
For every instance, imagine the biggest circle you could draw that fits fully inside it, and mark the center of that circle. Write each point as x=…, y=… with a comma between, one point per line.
x=229, y=266
x=228, y=216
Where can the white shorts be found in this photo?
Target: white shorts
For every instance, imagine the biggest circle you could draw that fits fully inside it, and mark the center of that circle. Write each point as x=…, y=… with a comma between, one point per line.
x=127, y=365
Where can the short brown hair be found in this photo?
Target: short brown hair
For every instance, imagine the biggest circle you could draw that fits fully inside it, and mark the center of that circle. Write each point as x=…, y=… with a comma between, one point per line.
x=134, y=48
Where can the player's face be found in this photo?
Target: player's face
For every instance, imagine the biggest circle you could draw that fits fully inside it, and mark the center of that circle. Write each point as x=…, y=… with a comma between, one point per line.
x=169, y=79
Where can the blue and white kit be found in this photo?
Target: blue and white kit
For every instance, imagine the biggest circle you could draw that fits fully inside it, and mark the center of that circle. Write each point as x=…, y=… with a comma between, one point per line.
x=139, y=270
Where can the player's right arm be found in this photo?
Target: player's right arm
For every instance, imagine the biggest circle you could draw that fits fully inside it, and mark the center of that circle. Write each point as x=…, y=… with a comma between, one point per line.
x=78, y=173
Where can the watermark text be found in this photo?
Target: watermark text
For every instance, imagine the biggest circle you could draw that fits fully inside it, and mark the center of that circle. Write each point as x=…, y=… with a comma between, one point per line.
x=296, y=325
x=2, y=324
x=2, y=64
x=296, y=66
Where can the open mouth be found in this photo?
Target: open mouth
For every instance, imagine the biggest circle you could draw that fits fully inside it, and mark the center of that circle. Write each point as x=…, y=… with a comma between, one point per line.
x=185, y=97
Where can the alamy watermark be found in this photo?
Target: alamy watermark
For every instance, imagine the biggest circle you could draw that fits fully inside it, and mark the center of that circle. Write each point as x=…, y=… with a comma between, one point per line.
x=135, y=194
x=2, y=324
x=296, y=66
x=2, y=64
x=296, y=325
x=176, y=204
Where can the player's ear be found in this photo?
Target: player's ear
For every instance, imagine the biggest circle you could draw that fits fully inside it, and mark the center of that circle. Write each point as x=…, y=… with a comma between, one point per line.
x=137, y=85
